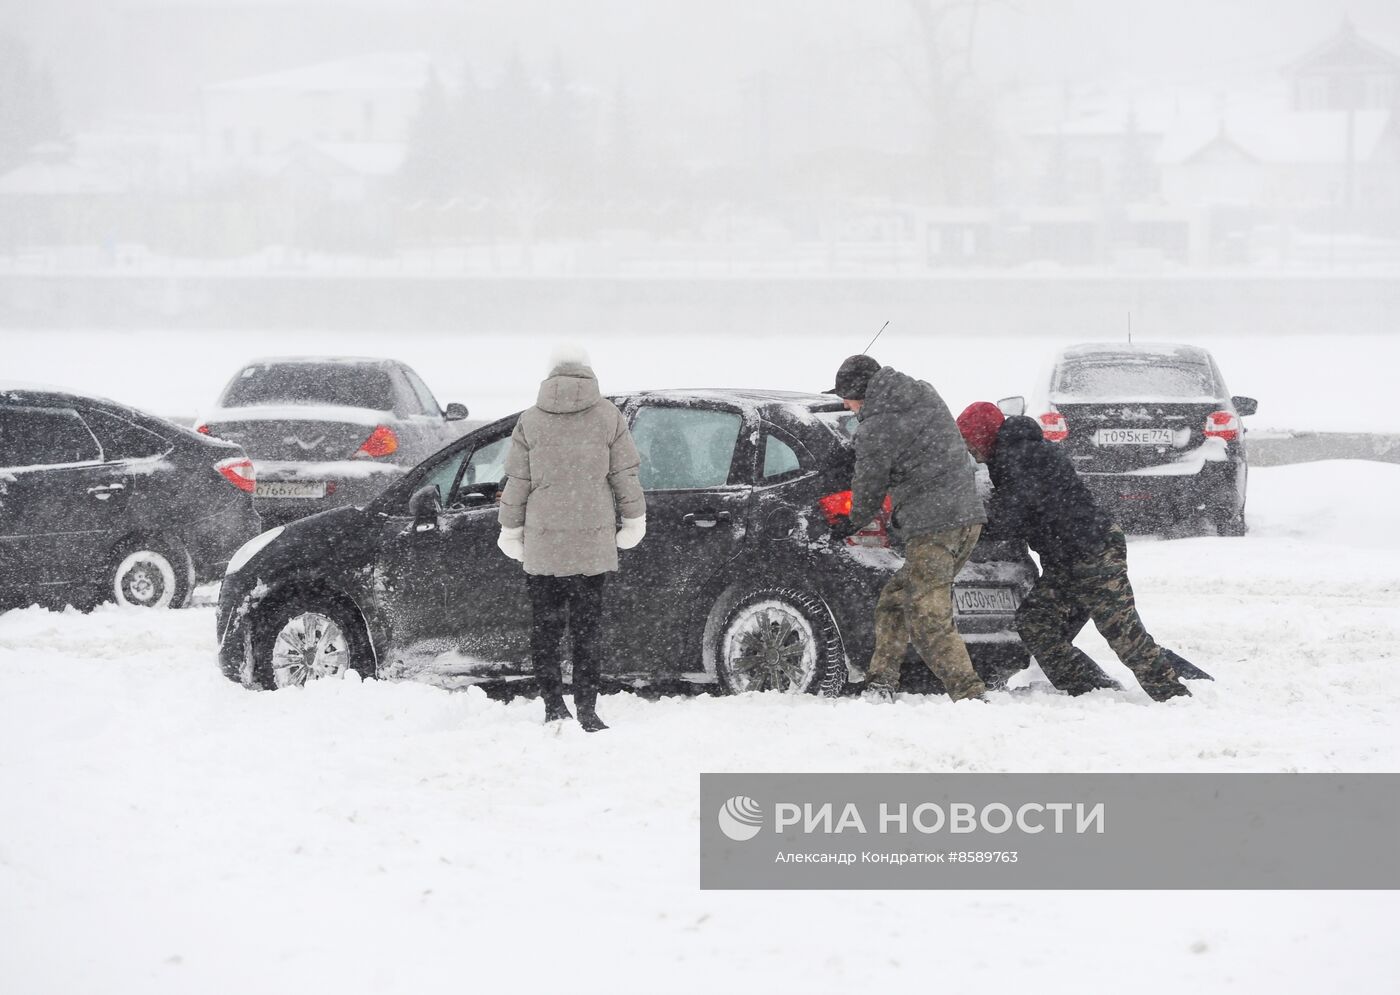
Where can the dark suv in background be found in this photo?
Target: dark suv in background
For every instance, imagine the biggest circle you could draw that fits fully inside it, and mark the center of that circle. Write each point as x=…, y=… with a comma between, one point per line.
x=1153, y=430
x=329, y=431
x=738, y=582
x=101, y=502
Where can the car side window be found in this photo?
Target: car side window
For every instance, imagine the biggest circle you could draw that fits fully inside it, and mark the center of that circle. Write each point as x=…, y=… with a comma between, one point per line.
x=488, y=463
x=685, y=448
x=45, y=437
x=779, y=458
x=425, y=397
x=444, y=475
x=121, y=440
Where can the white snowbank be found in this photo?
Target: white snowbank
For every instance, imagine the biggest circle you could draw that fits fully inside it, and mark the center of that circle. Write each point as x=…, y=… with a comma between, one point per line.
x=1337, y=502
x=168, y=831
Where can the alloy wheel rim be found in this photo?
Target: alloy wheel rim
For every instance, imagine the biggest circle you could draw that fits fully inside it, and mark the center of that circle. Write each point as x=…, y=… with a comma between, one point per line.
x=308, y=647
x=144, y=579
x=771, y=647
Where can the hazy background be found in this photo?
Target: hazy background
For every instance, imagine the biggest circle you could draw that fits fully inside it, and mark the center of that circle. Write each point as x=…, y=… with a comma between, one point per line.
x=619, y=166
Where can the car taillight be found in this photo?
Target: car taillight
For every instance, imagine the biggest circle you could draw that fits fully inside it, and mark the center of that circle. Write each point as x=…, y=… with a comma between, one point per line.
x=1054, y=427
x=837, y=506
x=239, y=472
x=381, y=442
x=202, y=429
x=1222, y=425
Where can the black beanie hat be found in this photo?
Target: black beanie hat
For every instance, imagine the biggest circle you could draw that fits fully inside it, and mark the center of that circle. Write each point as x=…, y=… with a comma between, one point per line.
x=853, y=378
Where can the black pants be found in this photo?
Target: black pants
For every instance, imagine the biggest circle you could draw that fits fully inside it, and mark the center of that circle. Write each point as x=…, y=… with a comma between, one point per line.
x=578, y=602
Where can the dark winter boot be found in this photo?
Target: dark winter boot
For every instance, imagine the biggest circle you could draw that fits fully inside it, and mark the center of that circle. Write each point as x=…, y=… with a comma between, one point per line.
x=584, y=701
x=1185, y=669
x=555, y=710
x=1161, y=683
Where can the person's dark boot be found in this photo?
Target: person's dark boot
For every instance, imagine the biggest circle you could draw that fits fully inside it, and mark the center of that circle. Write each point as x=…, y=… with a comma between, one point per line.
x=555, y=710
x=584, y=702
x=1082, y=676
x=1161, y=683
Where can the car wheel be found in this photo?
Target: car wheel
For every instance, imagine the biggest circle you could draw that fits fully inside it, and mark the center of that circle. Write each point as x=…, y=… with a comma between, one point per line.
x=779, y=639
x=306, y=638
x=151, y=573
x=1236, y=526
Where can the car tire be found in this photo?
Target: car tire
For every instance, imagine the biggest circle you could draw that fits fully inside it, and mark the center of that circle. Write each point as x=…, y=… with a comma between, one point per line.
x=307, y=636
x=1236, y=526
x=779, y=639
x=149, y=572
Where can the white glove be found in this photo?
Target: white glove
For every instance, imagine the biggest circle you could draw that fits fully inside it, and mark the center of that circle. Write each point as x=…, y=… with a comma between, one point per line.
x=512, y=543
x=631, y=532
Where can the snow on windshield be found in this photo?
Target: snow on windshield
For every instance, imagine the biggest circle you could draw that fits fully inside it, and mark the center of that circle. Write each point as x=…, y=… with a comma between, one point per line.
x=339, y=384
x=1180, y=381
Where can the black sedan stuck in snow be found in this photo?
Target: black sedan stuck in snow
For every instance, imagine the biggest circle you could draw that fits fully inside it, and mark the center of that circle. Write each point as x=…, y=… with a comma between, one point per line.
x=738, y=582
x=101, y=502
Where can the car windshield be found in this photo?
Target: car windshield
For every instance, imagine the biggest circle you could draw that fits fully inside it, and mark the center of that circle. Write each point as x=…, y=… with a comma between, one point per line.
x=1135, y=379
x=339, y=384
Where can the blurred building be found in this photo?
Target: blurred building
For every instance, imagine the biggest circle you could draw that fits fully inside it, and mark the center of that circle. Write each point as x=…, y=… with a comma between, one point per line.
x=1301, y=165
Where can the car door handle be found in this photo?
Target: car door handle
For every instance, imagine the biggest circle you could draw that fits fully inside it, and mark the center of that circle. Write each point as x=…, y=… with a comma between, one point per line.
x=705, y=519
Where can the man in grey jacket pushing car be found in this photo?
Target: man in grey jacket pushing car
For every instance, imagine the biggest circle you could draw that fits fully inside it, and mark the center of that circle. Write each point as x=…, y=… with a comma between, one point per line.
x=572, y=469
x=908, y=446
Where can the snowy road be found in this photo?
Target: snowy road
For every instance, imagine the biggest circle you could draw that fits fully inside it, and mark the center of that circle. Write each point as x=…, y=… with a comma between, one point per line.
x=165, y=830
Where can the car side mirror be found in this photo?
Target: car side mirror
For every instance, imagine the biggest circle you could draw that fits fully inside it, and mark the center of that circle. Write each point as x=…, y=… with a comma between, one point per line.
x=455, y=412
x=425, y=505
x=1012, y=406
x=1244, y=406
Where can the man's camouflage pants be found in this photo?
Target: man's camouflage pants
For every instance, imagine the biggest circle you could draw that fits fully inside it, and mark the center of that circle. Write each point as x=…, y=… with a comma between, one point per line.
x=1095, y=587
x=917, y=606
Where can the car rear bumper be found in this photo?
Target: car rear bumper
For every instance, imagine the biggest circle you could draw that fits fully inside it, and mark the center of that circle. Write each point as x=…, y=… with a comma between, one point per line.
x=1213, y=490
x=347, y=483
x=212, y=541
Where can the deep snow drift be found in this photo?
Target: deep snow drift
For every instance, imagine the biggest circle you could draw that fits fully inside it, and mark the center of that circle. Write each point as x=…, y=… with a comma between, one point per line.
x=167, y=831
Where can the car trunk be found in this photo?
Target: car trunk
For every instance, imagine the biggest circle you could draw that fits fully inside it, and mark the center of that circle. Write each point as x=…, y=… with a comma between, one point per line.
x=293, y=440
x=1119, y=437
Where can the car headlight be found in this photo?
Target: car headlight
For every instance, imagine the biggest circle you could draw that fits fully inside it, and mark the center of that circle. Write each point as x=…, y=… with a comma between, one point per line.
x=250, y=549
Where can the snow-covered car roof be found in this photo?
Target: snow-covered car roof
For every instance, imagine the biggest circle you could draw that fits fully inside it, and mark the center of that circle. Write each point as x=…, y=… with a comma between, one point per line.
x=1139, y=351
x=346, y=360
x=22, y=386
x=750, y=395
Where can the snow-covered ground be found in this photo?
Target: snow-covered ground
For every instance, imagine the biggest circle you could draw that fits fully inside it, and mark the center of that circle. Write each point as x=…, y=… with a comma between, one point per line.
x=1296, y=379
x=167, y=831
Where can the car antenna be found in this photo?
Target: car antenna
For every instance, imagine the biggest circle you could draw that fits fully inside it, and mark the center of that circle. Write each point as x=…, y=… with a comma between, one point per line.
x=877, y=335
x=1130, y=327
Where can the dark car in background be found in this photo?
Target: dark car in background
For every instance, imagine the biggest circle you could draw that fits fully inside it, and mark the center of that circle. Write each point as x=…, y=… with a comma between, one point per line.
x=1153, y=430
x=101, y=502
x=329, y=431
x=737, y=583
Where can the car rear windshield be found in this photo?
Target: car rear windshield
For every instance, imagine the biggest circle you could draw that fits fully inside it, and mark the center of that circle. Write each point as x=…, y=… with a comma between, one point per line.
x=340, y=384
x=1135, y=379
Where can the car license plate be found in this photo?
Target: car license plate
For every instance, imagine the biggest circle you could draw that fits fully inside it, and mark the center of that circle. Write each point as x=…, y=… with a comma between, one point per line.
x=985, y=600
x=290, y=489
x=1134, y=437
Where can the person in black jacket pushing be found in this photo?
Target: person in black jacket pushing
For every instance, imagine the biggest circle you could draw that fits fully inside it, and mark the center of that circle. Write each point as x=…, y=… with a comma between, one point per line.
x=1039, y=497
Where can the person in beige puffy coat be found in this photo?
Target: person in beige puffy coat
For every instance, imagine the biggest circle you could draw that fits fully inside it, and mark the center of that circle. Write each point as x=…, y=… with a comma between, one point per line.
x=571, y=472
